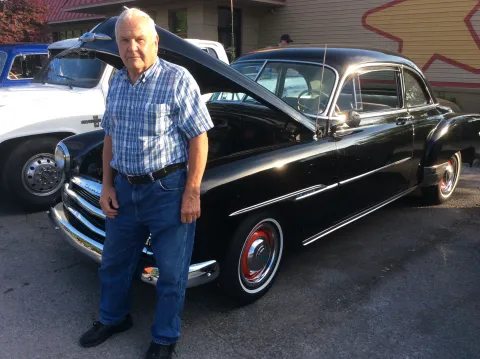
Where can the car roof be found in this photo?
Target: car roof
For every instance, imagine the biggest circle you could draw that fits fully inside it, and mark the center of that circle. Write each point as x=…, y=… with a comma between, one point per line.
x=339, y=58
x=19, y=46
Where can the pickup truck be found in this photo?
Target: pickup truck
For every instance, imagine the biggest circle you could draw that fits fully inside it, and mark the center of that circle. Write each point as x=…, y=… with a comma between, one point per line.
x=20, y=62
x=67, y=97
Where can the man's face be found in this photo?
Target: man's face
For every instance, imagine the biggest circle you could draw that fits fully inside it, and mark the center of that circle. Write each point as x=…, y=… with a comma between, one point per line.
x=137, y=45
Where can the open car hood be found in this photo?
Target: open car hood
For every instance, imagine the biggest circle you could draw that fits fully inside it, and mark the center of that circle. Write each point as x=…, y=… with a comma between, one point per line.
x=211, y=74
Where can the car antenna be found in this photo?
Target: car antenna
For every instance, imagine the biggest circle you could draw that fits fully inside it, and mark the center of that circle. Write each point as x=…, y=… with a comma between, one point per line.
x=320, y=95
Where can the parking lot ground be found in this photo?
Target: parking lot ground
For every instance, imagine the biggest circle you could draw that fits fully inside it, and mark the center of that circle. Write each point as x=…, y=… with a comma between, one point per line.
x=403, y=282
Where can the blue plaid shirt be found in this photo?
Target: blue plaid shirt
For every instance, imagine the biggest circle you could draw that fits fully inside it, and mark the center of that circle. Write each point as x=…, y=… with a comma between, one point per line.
x=151, y=121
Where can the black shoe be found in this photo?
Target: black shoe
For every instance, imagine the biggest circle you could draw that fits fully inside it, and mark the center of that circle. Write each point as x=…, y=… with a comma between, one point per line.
x=101, y=332
x=159, y=351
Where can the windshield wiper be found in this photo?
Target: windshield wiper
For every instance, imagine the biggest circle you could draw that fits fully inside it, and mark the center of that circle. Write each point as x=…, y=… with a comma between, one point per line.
x=68, y=78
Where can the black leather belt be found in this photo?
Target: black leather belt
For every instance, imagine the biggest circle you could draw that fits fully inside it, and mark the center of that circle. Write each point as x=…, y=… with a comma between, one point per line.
x=152, y=177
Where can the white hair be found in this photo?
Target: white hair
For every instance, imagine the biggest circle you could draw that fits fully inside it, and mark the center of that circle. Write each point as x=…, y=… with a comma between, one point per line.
x=132, y=13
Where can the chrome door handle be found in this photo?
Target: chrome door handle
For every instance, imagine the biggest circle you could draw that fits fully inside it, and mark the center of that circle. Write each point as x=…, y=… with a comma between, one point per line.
x=403, y=120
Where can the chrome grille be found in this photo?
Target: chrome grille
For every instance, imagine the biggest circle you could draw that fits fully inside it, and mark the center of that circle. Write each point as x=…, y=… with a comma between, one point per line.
x=81, y=201
x=89, y=197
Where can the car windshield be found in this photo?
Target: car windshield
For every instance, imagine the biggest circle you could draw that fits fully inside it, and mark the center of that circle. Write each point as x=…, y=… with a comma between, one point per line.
x=3, y=59
x=74, y=70
x=298, y=84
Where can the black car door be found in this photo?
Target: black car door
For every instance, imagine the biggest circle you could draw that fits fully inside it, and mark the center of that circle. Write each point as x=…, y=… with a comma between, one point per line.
x=424, y=112
x=374, y=154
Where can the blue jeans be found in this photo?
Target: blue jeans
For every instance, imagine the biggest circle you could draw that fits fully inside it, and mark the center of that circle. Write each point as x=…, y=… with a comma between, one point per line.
x=148, y=208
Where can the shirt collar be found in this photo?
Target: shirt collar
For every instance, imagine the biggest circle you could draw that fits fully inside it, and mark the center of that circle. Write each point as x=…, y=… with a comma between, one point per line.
x=146, y=74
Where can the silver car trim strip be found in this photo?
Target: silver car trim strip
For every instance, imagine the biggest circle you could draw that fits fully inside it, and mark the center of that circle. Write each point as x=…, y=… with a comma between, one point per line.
x=278, y=199
x=314, y=190
x=355, y=217
x=375, y=170
x=84, y=204
x=313, y=193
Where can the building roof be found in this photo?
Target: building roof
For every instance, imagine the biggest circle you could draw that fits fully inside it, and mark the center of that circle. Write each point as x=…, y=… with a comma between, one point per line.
x=58, y=15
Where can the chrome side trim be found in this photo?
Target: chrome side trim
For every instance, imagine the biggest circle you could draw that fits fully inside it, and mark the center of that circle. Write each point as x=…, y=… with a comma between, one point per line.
x=433, y=174
x=355, y=217
x=84, y=204
x=422, y=108
x=382, y=113
x=198, y=274
x=314, y=192
x=375, y=170
x=85, y=222
x=278, y=199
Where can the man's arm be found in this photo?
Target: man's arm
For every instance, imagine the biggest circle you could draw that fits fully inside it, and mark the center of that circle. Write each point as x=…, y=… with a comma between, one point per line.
x=197, y=161
x=108, y=195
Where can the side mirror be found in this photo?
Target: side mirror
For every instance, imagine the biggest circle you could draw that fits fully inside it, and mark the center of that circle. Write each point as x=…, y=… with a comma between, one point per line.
x=352, y=118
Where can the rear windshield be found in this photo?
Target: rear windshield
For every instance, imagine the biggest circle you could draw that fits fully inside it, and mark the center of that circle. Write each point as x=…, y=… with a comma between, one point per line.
x=74, y=70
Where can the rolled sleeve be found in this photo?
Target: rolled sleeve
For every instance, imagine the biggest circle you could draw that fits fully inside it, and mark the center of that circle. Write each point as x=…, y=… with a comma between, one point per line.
x=193, y=116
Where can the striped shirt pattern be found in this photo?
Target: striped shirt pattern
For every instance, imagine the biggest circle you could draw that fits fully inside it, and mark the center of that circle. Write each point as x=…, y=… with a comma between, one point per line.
x=151, y=121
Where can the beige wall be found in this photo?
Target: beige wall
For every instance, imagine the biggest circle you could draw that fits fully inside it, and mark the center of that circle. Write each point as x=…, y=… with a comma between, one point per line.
x=203, y=20
x=426, y=29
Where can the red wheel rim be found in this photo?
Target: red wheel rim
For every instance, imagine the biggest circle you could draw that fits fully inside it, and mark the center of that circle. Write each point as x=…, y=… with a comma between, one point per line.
x=259, y=254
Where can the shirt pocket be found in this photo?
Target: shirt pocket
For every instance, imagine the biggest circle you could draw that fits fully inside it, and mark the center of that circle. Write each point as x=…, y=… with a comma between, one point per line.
x=157, y=118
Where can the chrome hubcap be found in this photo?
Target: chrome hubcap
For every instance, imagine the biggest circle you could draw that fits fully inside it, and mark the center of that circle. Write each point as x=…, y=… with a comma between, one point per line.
x=449, y=177
x=41, y=176
x=259, y=254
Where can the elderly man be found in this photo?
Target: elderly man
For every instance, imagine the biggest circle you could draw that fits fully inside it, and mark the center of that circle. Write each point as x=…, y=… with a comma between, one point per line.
x=155, y=125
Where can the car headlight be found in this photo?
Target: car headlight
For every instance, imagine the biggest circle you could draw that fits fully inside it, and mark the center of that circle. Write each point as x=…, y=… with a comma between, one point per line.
x=62, y=157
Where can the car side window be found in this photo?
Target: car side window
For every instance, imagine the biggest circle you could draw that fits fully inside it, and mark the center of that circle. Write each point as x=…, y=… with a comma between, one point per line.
x=3, y=60
x=27, y=66
x=415, y=92
x=294, y=84
x=371, y=91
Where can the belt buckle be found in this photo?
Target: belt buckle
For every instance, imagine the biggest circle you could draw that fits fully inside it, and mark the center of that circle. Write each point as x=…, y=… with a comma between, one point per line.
x=128, y=179
x=151, y=177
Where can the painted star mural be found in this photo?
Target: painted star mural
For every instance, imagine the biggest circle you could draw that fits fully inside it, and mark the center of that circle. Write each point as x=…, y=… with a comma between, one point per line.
x=414, y=25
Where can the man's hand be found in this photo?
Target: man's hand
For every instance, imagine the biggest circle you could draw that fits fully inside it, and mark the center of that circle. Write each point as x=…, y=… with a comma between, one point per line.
x=190, y=205
x=107, y=200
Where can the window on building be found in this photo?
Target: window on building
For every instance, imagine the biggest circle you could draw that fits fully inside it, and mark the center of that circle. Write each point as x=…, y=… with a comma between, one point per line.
x=177, y=22
x=26, y=66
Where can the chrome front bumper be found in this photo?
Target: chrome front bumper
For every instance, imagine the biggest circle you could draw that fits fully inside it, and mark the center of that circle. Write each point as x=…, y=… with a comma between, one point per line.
x=200, y=273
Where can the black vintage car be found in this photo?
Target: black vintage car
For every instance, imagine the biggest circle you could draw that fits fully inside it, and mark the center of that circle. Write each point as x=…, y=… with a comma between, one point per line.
x=306, y=141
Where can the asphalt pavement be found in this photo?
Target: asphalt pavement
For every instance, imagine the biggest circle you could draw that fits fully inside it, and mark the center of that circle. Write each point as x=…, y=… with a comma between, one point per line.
x=403, y=282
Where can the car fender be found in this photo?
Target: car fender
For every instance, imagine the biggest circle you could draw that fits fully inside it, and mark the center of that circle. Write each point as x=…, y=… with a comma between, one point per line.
x=453, y=133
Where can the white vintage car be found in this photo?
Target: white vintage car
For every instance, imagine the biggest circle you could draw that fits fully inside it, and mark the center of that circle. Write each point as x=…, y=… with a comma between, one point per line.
x=67, y=97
